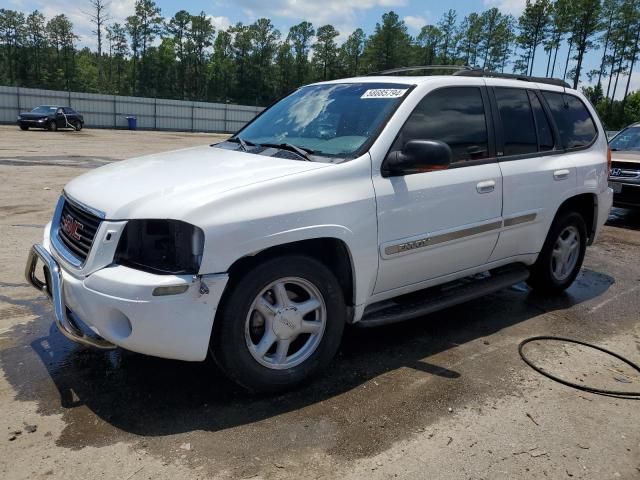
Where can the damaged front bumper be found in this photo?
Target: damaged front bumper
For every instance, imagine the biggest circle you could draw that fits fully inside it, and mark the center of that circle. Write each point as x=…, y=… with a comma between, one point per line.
x=118, y=306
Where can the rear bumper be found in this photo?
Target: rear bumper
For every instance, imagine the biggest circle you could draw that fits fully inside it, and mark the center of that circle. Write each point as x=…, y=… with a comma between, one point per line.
x=605, y=202
x=118, y=306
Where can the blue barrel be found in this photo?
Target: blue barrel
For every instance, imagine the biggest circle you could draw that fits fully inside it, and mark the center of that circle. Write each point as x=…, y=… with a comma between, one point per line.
x=132, y=122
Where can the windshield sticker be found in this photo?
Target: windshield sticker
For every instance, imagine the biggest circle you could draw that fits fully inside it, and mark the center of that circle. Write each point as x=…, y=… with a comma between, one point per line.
x=384, y=93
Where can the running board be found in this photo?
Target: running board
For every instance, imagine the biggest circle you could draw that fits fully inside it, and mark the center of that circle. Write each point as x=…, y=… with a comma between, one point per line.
x=440, y=297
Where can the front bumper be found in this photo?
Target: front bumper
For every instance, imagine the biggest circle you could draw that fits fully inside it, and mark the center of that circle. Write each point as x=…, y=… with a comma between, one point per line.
x=116, y=303
x=32, y=123
x=628, y=194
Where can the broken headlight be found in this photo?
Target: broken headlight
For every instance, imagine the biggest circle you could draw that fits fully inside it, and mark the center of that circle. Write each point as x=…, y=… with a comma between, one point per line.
x=161, y=247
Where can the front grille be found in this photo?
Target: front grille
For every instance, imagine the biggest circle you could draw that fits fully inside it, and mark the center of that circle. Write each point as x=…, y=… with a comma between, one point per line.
x=77, y=229
x=625, y=169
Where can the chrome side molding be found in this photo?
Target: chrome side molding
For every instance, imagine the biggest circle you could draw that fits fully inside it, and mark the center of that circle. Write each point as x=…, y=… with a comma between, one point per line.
x=429, y=240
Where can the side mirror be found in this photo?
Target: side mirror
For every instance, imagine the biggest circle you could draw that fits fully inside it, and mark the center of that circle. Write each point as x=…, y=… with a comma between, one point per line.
x=418, y=156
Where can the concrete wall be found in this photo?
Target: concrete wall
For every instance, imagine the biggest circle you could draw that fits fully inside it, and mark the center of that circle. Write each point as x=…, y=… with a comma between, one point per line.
x=110, y=111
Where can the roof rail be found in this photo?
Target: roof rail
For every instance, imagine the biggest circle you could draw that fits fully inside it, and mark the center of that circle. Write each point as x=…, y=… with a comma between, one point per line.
x=477, y=72
x=457, y=68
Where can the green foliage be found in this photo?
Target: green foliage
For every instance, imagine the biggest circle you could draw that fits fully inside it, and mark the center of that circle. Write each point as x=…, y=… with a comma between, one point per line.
x=325, y=56
x=390, y=44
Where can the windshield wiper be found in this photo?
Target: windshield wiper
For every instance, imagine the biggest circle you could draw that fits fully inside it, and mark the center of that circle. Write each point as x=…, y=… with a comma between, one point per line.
x=303, y=152
x=243, y=143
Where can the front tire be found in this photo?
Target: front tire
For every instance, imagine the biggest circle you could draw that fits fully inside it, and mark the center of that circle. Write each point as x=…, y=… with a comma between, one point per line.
x=562, y=255
x=281, y=323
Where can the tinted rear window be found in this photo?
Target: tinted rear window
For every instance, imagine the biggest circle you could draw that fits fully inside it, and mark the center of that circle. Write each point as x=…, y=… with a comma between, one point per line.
x=572, y=118
x=517, y=121
x=545, y=135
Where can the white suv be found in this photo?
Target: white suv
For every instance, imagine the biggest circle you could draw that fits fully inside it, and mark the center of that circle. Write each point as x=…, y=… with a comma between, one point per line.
x=326, y=210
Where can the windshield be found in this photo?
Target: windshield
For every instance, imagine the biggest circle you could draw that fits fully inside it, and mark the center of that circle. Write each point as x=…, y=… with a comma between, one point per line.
x=44, y=109
x=333, y=120
x=628, y=139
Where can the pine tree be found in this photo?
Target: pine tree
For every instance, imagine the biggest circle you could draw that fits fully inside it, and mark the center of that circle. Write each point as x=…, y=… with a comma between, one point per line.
x=325, y=50
x=351, y=52
x=390, y=44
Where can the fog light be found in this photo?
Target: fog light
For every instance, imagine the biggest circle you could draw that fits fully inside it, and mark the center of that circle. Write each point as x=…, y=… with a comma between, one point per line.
x=170, y=290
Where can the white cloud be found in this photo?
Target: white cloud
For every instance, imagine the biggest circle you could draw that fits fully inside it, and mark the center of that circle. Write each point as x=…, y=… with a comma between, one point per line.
x=416, y=22
x=79, y=15
x=515, y=7
x=634, y=84
x=221, y=23
x=120, y=9
x=341, y=12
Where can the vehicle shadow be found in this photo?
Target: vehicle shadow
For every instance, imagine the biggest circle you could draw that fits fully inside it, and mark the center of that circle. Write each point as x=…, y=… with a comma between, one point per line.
x=154, y=397
x=624, y=218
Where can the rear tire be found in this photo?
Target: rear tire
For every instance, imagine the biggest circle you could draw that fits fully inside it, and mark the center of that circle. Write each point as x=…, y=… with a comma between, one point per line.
x=52, y=126
x=24, y=127
x=562, y=255
x=281, y=323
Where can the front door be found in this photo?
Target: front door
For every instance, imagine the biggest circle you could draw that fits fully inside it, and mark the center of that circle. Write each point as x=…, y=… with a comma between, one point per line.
x=441, y=222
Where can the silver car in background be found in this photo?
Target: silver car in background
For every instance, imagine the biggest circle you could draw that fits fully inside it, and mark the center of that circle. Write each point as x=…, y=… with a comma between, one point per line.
x=624, y=177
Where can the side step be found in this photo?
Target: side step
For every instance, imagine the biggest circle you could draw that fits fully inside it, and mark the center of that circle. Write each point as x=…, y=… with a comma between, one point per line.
x=440, y=297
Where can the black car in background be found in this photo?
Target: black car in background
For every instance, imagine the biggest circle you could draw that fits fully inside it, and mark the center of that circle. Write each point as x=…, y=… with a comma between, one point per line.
x=51, y=117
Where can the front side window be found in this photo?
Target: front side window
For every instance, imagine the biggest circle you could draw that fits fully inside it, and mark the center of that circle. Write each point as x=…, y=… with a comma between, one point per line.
x=330, y=120
x=627, y=140
x=453, y=115
x=517, y=121
x=574, y=122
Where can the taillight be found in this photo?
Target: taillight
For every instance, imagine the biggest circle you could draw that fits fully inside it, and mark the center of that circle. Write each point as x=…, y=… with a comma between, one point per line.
x=609, y=160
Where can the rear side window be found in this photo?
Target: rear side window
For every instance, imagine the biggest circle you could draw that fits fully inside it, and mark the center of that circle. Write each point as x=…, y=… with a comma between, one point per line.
x=572, y=118
x=454, y=116
x=543, y=127
x=68, y=110
x=517, y=121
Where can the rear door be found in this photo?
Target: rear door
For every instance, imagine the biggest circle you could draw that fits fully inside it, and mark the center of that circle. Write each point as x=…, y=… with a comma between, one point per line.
x=537, y=132
x=436, y=223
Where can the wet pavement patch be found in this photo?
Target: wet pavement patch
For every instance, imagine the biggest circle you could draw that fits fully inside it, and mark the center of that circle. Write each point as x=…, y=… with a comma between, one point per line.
x=56, y=161
x=384, y=384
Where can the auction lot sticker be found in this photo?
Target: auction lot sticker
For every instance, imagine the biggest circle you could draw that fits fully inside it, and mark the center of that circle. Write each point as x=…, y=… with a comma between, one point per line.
x=384, y=93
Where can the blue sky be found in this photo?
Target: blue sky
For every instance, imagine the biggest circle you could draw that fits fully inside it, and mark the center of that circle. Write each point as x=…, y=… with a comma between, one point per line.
x=345, y=15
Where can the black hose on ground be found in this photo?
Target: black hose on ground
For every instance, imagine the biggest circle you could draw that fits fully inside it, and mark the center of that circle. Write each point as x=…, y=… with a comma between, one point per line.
x=577, y=386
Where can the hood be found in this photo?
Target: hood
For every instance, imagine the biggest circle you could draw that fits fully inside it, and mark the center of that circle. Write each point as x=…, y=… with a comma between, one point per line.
x=171, y=184
x=626, y=156
x=30, y=115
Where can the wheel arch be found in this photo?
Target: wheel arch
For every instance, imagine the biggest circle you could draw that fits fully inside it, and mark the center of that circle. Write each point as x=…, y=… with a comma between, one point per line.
x=332, y=252
x=586, y=204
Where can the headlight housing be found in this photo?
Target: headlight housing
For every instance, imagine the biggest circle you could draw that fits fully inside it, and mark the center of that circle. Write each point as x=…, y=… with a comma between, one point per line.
x=161, y=247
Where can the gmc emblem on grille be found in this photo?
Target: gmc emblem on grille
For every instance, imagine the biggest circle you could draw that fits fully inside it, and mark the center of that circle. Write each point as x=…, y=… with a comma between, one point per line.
x=616, y=172
x=71, y=226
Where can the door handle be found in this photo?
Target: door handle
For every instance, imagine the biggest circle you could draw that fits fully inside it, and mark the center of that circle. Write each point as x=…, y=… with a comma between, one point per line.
x=487, y=186
x=561, y=174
